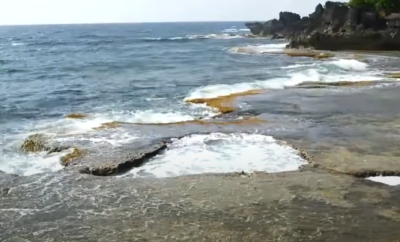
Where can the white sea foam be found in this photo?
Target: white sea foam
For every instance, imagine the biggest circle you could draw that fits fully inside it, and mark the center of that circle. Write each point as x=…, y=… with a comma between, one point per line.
x=349, y=64
x=222, y=153
x=216, y=36
x=196, y=37
x=66, y=126
x=143, y=117
x=235, y=30
x=31, y=164
x=293, y=79
x=388, y=180
x=295, y=66
x=259, y=49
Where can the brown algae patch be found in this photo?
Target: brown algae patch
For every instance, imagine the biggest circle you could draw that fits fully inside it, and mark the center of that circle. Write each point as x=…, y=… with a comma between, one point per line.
x=244, y=121
x=75, y=154
x=312, y=54
x=225, y=104
x=393, y=75
x=76, y=116
x=35, y=143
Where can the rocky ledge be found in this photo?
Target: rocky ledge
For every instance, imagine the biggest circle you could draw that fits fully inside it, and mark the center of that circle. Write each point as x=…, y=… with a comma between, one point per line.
x=335, y=26
x=310, y=205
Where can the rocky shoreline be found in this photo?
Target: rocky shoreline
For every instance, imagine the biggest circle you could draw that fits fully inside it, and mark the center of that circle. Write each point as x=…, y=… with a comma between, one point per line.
x=335, y=26
x=326, y=200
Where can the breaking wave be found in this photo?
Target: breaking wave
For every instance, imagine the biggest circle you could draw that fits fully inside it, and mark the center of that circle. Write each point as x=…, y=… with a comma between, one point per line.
x=293, y=79
x=259, y=49
x=194, y=37
x=351, y=65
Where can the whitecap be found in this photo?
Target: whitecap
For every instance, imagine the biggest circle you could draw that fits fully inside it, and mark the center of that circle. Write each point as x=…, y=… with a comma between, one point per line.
x=234, y=30
x=295, y=66
x=222, y=153
x=350, y=64
x=17, y=44
x=293, y=79
x=152, y=117
x=195, y=37
x=259, y=49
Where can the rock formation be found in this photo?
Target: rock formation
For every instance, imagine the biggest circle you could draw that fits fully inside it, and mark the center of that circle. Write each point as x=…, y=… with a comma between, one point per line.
x=335, y=26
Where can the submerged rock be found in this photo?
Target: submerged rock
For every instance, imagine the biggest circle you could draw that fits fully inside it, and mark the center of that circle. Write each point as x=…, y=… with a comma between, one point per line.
x=77, y=116
x=36, y=143
x=393, y=75
x=39, y=143
x=224, y=104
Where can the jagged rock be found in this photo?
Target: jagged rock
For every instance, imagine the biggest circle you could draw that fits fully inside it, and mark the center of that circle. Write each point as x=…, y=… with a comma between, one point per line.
x=317, y=14
x=335, y=26
x=288, y=18
x=255, y=27
x=359, y=40
x=271, y=27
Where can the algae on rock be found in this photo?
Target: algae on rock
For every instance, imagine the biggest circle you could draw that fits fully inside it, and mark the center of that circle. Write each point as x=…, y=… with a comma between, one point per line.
x=35, y=143
x=76, y=153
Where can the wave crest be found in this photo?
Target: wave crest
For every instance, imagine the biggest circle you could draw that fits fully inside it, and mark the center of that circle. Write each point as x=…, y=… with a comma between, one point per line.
x=193, y=37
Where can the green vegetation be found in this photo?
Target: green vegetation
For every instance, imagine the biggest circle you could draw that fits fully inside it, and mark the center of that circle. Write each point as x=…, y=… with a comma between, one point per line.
x=389, y=6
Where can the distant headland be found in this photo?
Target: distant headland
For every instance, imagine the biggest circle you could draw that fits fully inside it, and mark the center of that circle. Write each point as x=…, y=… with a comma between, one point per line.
x=357, y=25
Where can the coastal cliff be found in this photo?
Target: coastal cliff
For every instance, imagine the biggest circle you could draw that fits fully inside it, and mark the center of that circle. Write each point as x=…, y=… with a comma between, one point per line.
x=335, y=26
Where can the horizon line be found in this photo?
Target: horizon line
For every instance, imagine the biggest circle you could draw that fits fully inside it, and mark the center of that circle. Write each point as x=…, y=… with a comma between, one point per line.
x=145, y=22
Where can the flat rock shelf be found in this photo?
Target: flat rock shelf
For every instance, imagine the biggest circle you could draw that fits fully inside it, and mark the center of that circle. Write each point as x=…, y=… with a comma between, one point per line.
x=308, y=205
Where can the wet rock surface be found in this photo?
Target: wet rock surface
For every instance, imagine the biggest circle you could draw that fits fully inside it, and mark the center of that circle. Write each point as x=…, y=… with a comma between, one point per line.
x=345, y=134
x=40, y=143
x=311, y=205
x=114, y=161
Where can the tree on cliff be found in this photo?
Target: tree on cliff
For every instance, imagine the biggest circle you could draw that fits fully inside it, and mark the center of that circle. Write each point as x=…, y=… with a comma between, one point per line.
x=389, y=6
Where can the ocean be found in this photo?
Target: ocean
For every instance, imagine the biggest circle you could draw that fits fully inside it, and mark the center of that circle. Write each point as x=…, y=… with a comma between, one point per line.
x=144, y=76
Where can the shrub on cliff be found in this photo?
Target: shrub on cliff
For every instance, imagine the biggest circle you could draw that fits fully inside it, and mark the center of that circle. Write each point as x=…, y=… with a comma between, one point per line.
x=388, y=6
